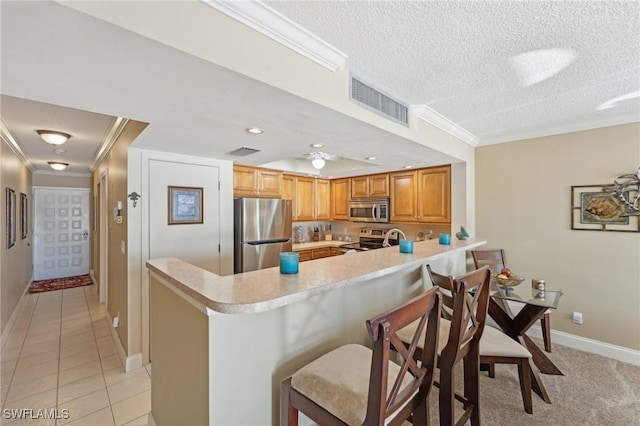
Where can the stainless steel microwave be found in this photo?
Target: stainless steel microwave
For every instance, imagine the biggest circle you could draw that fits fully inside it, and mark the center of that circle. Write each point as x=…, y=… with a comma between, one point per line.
x=369, y=210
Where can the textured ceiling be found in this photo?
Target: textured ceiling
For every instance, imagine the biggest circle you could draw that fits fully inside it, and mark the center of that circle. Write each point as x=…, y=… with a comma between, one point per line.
x=454, y=57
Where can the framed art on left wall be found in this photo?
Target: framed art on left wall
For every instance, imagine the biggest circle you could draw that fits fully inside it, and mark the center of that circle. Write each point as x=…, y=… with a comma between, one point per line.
x=10, y=214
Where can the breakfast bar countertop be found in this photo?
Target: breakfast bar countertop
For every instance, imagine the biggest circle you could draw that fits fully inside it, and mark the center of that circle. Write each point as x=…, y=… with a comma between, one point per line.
x=267, y=289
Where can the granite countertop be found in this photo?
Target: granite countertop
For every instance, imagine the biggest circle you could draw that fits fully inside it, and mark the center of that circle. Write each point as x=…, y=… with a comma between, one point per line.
x=267, y=289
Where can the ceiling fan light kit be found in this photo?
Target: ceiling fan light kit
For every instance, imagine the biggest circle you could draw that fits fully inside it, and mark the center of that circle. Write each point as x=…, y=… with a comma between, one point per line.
x=53, y=137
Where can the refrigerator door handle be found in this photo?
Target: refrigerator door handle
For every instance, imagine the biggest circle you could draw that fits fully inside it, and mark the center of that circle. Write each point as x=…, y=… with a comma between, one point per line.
x=257, y=243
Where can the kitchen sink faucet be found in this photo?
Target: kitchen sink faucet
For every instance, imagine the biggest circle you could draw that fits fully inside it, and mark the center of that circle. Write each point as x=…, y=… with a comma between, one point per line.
x=395, y=231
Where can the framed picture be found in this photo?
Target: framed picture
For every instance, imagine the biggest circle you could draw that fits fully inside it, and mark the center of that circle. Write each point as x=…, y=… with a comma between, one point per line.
x=185, y=205
x=24, y=216
x=595, y=209
x=11, y=217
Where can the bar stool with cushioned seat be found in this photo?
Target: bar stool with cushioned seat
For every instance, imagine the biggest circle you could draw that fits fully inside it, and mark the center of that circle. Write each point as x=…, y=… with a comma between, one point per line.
x=460, y=341
x=355, y=385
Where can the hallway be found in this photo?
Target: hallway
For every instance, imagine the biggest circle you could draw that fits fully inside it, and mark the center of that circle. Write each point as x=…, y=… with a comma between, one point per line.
x=59, y=366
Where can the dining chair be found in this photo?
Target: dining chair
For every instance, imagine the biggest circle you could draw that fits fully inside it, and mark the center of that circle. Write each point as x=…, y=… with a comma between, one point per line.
x=464, y=302
x=495, y=346
x=496, y=261
x=355, y=385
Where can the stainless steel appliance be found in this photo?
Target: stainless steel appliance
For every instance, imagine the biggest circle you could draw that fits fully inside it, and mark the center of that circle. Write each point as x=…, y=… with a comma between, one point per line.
x=262, y=229
x=369, y=210
x=370, y=239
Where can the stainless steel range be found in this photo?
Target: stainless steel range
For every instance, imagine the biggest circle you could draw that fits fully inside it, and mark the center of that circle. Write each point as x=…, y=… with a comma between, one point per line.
x=370, y=239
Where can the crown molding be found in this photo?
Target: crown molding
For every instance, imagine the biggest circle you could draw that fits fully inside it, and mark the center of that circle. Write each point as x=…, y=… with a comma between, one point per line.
x=278, y=27
x=62, y=173
x=110, y=139
x=425, y=113
x=14, y=145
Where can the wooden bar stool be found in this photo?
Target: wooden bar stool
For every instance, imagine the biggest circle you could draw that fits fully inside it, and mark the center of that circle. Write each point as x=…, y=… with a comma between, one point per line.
x=459, y=341
x=355, y=385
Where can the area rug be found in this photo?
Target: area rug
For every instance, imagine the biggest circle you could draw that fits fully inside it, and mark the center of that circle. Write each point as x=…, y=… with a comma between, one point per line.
x=60, y=283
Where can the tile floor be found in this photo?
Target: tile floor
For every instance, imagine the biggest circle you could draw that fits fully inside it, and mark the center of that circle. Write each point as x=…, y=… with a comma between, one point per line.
x=60, y=359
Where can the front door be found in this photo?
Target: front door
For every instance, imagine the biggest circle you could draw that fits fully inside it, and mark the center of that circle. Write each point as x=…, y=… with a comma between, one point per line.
x=61, y=232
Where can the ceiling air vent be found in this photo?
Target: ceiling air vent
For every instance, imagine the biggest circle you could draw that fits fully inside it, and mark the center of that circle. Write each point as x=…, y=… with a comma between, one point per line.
x=378, y=102
x=243, y=152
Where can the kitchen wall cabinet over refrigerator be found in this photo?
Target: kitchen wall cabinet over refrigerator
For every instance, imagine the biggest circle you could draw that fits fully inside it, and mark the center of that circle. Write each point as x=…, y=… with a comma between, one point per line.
x=256, y=182
x=422, y=196
x=310, y=197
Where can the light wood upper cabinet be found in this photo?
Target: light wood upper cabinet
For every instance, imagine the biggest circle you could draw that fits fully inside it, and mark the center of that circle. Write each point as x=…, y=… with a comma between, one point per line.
x=403, y=197
x=288, y=189
x=310, y=197
x=323, y=199
x=434, y=197
x=340, y=199
x=370, y=186
x=305, y=198
x=421, y=196
x=256, y=182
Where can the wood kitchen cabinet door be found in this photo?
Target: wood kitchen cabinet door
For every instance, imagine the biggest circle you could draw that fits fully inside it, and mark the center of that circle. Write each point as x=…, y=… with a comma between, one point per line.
x=244, y=181
x=370, y=186
x=323, y=200
x=305, y=198
x=403, y=196
x=269, y=183
x=434, y=196
x=340, y=199
x=379, y=185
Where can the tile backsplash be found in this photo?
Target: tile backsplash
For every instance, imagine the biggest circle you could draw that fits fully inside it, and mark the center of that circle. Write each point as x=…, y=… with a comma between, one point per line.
x=349, y=231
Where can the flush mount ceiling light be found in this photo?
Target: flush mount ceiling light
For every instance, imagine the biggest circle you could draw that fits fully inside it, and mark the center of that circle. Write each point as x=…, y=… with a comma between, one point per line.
x=408, y=167
x=318, y=163
x=371, y=158
x=539, y=65
x=56, y=165
x=52, y=137
x=316, y=145
x=254, y=130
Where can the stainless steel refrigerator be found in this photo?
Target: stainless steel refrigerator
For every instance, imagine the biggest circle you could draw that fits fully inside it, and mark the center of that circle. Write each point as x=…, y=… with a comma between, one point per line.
x=262, y=229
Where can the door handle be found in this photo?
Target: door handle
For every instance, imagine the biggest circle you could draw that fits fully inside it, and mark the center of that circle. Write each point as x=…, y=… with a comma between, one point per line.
x=85, y=235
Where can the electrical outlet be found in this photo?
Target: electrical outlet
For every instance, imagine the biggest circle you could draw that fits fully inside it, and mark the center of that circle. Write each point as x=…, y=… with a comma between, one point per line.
x=577, y=317
x=116, y=320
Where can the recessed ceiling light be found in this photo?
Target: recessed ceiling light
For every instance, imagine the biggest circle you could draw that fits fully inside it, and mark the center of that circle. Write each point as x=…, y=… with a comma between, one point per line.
x=52, y=137
x=59, y=151
x=371, y=158
x=316, y=145
x=254, y=130
x=55, y=165
x=408, y=167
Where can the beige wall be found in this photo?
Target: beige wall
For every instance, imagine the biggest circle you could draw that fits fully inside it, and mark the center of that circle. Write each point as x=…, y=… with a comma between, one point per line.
x=523, y=205
x=115, y=165
x=16, y=263
x=61, y=180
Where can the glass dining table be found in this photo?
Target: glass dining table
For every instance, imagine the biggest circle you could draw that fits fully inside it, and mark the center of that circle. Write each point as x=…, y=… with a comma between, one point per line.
x=536, y=303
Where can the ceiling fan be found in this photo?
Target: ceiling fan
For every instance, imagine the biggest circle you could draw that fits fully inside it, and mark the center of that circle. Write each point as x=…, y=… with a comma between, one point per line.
x=318, y=158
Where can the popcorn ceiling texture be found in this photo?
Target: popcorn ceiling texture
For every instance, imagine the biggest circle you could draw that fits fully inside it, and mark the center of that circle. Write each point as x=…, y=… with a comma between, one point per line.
x=453, y=57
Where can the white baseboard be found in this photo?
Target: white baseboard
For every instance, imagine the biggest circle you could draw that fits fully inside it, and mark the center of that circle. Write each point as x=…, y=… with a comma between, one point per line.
x=588, y=345
x=14, y=316
x=129, y=362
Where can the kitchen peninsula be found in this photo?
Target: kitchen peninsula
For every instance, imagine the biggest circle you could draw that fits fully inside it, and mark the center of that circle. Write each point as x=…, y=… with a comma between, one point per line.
x=221, y=345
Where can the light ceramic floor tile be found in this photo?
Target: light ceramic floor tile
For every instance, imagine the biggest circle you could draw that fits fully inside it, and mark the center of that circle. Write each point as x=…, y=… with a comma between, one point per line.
x=35, y=401
x=130, y=386
x=23, y=374
x=76, y=359
x=8, y=365
x=40, y=348
x=103, y=417
x=5, y=379
x=77, y=338
x=80, y=387
x=31, y=387
x=76, y=329
x=38, y=358
x=87, y=345
x=115, y=375
x=132, y=408
x=101, y=331
x=84, y=405
x=79, y=372
x=111, y=362
x=140, y=421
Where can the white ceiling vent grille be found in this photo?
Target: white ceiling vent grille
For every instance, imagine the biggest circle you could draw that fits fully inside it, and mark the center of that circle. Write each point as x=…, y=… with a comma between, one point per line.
x=378, y=102
x=243, y=152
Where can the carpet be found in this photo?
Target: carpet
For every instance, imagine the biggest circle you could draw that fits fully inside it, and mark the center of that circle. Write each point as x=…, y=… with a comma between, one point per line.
x=60, y=283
